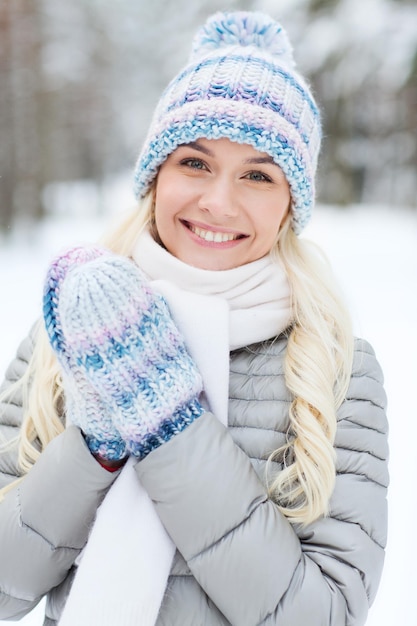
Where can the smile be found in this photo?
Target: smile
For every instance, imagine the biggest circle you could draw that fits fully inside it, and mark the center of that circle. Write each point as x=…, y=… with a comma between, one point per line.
x=216, y=237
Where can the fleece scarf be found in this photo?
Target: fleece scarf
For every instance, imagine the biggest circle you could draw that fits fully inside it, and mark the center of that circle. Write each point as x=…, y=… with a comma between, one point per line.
x=123, y=570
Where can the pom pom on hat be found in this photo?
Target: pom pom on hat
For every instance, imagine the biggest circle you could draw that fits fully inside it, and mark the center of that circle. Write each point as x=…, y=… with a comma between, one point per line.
x=240, y=84
x=242, y=29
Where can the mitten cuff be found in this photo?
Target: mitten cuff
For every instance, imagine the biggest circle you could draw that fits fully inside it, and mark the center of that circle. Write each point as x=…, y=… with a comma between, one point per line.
x=167, y=429
x=113, y=450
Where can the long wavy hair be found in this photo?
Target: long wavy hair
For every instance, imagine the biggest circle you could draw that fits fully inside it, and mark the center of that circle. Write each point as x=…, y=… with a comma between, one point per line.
x=318, y=366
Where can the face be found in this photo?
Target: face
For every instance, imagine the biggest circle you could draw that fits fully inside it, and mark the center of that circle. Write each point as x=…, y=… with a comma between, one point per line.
x=219, y=204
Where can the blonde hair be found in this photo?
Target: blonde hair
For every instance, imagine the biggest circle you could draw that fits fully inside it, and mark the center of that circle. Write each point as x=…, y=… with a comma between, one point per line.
x=317, y=373
x=317, y=369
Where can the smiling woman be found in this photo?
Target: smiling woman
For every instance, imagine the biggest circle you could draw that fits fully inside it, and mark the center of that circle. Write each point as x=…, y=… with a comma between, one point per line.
x=202, y=355
x=219, y=204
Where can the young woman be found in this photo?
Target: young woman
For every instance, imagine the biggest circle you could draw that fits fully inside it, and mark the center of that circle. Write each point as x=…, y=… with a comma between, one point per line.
x=195, y=437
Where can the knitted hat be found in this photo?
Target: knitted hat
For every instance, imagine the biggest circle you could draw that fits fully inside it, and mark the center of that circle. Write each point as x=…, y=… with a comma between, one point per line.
x=240, y=83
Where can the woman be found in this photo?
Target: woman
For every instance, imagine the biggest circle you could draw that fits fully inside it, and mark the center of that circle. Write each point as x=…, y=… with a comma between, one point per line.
x=203, y=358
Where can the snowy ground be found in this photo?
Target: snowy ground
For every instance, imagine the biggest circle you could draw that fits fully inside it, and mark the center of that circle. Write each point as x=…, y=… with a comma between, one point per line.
x=374, y=253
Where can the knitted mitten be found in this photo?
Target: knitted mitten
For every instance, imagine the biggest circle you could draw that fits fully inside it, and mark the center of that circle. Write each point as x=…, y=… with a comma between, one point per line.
x=84, y=406
x=122, y=338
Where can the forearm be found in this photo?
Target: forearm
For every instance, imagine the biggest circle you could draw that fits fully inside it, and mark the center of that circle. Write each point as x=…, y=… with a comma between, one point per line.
x=253, y=564
x=231, y=535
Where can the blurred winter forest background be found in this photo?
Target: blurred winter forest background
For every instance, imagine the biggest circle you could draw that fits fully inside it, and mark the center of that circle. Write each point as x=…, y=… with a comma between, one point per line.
x=79, y=79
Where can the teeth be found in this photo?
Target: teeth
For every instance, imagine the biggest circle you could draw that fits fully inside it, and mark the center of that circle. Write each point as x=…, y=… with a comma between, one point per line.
x=209, y=235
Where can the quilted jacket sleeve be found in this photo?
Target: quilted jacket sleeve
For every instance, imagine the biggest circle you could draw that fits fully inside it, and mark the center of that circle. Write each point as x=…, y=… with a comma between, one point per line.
x=254, y=565
x=46, y=518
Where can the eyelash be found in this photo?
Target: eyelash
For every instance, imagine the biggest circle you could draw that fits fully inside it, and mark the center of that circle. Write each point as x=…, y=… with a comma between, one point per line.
x=191, y=163
x=265, y=177
x=198, y=164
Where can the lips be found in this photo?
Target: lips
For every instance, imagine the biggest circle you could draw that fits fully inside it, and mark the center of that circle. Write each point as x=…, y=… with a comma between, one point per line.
x=213, y=236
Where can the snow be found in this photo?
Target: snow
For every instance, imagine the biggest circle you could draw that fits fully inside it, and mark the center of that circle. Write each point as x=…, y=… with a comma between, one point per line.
x=374, y=254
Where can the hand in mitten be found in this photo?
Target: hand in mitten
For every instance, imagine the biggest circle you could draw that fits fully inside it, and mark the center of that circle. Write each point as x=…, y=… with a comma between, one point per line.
x=122, y=338
x=84, y=406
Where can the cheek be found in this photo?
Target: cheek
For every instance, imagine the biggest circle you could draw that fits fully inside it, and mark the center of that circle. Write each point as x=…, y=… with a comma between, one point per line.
x=164, y=204
x=170, y=194
x=269, y=227
x=163, y=219
x=271, y=221
x=268, y=238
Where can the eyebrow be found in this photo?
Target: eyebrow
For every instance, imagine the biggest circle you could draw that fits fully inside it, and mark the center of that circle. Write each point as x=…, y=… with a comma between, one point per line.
x=251, y=161
x=199, y=147
x=266, y=159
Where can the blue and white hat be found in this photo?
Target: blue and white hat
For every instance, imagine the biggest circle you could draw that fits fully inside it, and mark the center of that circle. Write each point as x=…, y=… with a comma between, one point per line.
x=240, y=83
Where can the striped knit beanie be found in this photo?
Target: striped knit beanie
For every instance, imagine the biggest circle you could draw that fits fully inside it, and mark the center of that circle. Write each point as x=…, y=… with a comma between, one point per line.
x=240, y=83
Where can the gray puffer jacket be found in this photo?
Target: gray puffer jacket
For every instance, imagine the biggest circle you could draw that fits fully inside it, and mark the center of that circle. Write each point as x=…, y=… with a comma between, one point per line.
x=239, y=561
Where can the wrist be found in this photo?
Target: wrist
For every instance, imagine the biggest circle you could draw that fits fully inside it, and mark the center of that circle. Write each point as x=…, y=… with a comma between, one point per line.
x=111, y=465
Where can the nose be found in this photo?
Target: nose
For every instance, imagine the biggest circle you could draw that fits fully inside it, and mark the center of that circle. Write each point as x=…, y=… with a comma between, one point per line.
x=219, y=198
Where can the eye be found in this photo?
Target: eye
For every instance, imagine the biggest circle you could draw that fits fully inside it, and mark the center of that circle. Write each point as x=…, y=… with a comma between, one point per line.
x=259, y=177
x=195, y=164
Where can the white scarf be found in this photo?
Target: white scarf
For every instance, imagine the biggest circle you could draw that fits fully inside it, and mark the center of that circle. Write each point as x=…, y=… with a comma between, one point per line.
x=124, y=568
x=257, y=293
